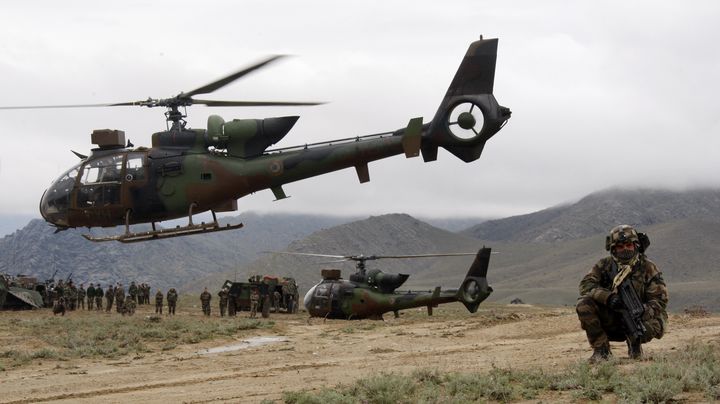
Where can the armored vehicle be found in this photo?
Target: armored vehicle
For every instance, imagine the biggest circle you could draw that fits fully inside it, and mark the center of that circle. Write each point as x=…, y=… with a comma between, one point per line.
x=267, y=285
x=19, y=293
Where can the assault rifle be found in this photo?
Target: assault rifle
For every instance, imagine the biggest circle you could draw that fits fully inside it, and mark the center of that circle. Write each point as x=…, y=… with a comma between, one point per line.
x=632, y=310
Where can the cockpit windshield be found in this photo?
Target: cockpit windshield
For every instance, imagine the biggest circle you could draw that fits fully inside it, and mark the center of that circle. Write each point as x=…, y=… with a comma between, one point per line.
x=56, y=200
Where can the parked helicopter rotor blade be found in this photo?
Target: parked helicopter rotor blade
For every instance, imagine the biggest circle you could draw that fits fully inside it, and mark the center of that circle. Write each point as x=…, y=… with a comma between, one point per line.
x=345, y=257
x=214, y=103
x=423, y=255
x=209, y=88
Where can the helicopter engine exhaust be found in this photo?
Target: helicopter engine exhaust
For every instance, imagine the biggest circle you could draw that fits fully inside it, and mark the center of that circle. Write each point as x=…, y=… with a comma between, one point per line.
x=469, y=114
x=247, y=138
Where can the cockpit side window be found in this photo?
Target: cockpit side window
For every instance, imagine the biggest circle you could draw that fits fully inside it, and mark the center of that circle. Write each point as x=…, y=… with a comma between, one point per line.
x=100, y=182
x=106, y=169
x=134, y=168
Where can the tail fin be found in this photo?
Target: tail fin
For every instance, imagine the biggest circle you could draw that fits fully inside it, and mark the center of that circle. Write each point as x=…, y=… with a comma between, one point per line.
x=475, y=288
x=469, y=115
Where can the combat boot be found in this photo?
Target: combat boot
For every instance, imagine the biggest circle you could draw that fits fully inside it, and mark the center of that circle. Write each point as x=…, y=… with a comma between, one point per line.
x=634, y=349
x=600, y=354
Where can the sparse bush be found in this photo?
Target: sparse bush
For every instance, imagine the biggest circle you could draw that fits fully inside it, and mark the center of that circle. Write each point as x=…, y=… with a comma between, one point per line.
x=384, y=388
x=321, y=397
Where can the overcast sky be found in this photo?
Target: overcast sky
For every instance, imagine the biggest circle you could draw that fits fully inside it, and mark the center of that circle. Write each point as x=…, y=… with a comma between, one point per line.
x=603, y=94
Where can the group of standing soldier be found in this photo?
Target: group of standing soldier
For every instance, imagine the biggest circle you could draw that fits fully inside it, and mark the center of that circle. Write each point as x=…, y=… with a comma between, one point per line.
x=71, y=297
x=172, y=297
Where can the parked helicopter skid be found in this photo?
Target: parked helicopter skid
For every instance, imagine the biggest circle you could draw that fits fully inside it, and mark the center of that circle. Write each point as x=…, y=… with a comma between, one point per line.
x=189, y=171
x=370, y=294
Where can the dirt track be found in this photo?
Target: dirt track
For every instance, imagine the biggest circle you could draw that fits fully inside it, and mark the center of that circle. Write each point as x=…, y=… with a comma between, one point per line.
x=320, y=354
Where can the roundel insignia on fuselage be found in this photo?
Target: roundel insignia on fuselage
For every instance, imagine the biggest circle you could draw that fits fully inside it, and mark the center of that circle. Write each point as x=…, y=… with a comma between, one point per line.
x=276, y=167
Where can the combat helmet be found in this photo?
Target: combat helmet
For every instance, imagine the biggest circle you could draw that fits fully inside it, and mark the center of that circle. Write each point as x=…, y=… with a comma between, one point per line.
x=621, y=234
x=625, y=233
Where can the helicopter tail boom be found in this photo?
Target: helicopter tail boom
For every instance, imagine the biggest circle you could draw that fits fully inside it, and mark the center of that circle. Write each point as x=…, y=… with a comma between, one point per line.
x=468, y=115
x=474, y=288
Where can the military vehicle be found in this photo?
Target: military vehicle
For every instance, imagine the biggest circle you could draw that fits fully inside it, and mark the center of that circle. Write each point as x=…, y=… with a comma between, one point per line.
x=19, y=293
x=267, y=285
x=189, y=171
x=372, y=293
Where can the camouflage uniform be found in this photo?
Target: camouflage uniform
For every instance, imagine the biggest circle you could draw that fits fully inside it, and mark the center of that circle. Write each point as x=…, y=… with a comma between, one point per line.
x=71, y=296
x=133, y=292
x=119, y=298
x=109, y=296
x=158, y=302
x=81, y=297
x=90, y=296
x=603, y=324
x=205, y=298
x=223, y=294
x=254, y=300
x=98, y=297
x=129, y=307
x=172, y=297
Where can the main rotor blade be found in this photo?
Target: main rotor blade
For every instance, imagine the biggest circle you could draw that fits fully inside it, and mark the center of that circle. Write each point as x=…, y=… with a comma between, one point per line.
x=66, y=106
x=209, y=88
x=213, y=103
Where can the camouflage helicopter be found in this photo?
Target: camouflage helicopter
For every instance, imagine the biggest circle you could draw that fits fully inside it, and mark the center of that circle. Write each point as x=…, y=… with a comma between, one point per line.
x=189, y=171
x=370, y=294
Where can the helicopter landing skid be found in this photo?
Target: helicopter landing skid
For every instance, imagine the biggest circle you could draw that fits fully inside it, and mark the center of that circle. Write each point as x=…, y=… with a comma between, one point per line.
x=189, y=229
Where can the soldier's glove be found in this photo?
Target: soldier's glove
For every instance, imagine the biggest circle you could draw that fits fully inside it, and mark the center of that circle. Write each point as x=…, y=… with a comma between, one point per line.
x=615, y=303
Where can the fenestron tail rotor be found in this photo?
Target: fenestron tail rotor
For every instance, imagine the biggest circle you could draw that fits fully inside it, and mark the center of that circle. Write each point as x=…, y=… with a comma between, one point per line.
x=184, y=99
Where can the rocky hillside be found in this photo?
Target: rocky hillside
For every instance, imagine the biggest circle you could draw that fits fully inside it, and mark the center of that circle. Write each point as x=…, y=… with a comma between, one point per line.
x=37, y=250
x=598, y=212
x=391, y=234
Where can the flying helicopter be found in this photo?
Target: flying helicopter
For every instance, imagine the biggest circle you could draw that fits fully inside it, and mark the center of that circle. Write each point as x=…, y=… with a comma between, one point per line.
x=372, y=293
x=189, y=171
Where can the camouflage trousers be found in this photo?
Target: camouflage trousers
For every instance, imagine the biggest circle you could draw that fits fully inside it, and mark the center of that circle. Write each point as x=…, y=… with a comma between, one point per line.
x=206, y=308
x=171, y=307
x=158, y=308
x=98, y=303
x=90, y=301
x=223, y=306
x=602, y=325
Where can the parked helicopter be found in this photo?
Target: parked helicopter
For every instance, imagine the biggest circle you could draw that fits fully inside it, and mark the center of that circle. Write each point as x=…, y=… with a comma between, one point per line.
x=370, y=294
x=189, y=171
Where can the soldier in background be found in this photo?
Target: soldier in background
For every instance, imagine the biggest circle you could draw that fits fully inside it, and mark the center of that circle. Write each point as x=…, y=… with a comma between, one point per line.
x=172, y=297
x=119, y=297
x=205, y=298
x=109, y=297
x=276, y=301
x=71, y=296
x=599, y=307
x=254, y=300
x=90, y=296
x=158, y=302
x=147, y=293
x=98, y=297
x=223, y=295
x=81, y=296
x=129, y=307
x=58, y=291
x=133, y=292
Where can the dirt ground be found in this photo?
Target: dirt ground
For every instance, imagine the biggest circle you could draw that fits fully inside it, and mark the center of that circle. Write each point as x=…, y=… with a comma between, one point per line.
x=312, y=354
